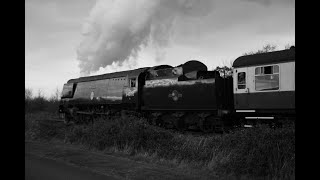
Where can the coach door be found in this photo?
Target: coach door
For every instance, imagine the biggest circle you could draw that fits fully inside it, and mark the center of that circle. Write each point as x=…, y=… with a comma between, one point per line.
x=241, y=90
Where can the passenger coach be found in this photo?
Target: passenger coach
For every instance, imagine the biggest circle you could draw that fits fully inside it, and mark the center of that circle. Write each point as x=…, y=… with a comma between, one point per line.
x=264, y=85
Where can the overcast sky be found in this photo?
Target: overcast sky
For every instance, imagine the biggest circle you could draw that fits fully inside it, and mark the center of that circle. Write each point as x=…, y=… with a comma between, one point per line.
x=69, y=39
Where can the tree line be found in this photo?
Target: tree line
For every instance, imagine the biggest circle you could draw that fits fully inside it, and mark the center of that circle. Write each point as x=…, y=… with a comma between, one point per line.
x=227, y=70
x=38, y=103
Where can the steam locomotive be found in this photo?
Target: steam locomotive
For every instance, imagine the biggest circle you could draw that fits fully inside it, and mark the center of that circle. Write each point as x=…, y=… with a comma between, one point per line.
x=261, y=89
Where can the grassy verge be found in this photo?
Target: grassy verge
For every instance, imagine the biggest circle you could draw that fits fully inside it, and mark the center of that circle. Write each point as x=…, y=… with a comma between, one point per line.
x=260, y=152
x=39, y=126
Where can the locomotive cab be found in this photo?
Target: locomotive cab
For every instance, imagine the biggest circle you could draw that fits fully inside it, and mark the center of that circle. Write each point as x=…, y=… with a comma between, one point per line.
x=66, y=95
x=132, y=90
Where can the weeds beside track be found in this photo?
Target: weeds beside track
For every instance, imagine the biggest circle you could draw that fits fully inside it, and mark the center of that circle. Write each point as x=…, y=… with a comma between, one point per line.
x=256, y=152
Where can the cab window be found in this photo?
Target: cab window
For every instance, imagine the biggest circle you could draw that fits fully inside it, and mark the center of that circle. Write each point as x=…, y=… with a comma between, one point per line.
x=241, y=80
x=67, y=90
x=133, y=82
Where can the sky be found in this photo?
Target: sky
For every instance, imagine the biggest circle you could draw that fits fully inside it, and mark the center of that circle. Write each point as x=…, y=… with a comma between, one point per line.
x=75, y=38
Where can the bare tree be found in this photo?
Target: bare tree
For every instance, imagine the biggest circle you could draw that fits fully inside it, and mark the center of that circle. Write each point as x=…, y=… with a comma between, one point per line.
x=39, y=102
x=265, y=49
x=40, y=94
x=288, y=46
x=27, y=99
x=28, y=94
x=224, y=71
x=56, y=96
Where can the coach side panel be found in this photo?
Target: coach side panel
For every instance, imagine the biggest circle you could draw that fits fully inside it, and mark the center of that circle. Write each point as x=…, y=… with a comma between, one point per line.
x=274, y=90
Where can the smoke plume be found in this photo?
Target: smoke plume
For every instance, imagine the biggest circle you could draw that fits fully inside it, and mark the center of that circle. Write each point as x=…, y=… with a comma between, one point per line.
x=117, y=29
x=269, y=2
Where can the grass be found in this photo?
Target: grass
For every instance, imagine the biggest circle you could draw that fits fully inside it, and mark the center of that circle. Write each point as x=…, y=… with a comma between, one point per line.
x=39, y=127
x=253, y=153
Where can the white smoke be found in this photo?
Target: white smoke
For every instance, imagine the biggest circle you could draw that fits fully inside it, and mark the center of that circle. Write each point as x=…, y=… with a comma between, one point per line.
x=269, y=2
x=116, y=30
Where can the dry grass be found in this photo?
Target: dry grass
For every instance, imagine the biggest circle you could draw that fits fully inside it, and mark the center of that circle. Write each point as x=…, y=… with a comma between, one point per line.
x=40, y=126
x=253, y=153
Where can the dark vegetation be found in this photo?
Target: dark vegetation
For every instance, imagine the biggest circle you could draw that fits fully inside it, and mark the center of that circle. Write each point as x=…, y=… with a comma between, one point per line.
x=251, y=153
x=40, y=103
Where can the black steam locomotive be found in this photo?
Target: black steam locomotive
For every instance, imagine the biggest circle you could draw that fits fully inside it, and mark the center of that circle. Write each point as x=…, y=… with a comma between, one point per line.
x=189, y=96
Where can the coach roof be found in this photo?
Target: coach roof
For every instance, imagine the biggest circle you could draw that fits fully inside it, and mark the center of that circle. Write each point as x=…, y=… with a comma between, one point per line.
x=130, y=73
x=266, y=58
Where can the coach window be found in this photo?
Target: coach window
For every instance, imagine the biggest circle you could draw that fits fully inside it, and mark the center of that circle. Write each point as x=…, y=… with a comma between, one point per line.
x=133, y=82
x=241, y=80
x=267, y=78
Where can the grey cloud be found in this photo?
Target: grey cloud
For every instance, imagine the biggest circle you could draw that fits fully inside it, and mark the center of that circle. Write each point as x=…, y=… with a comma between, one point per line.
x=116, y=30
